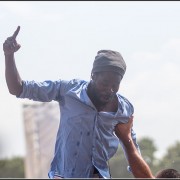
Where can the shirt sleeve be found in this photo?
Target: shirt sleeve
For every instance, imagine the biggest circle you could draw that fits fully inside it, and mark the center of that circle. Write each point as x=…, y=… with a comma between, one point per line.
x=45, y=91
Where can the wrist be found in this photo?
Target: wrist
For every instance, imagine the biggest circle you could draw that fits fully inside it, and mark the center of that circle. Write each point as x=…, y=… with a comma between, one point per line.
x=8, y=55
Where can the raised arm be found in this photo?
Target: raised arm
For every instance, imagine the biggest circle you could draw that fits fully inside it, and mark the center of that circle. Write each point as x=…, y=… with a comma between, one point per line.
x=13, y=79
x=139, y=167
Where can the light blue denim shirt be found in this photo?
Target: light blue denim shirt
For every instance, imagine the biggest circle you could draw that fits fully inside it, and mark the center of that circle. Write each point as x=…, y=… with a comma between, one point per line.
x=86, y=137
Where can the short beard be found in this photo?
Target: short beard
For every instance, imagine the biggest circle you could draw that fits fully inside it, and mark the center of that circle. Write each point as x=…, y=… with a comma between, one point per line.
x=94, y=95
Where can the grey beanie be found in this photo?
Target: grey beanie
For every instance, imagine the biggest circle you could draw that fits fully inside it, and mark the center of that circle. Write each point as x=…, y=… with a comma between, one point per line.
x=108, y=60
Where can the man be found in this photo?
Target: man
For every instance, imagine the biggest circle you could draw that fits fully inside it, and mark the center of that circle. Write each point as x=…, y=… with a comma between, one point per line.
x=90, y=111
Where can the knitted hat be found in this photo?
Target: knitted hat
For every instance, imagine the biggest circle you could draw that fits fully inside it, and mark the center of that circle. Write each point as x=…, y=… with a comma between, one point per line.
x=108, y=60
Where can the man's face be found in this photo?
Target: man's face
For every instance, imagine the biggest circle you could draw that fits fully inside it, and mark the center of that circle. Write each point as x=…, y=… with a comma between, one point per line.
x=105, y=86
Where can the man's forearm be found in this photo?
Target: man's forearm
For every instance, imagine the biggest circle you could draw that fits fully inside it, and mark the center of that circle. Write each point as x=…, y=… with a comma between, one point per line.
x=13, y=79
x=139, y=167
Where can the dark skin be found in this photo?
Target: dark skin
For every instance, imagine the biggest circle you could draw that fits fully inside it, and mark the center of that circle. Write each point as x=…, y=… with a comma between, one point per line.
x=13, y=79
x=102, y=91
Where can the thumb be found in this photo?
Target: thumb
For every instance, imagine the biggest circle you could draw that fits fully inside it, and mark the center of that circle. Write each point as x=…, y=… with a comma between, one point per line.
x=17, y=47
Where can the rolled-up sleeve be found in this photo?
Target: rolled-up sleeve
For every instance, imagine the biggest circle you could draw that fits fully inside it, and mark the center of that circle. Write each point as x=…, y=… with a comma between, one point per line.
x=45, y=91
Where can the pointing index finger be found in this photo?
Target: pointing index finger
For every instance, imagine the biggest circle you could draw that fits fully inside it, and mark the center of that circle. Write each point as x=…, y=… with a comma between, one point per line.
x=16, y=32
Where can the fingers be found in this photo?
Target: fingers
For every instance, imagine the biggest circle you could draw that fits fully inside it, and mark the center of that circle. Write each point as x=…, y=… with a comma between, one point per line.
x=10, y=45
x=10, y=48
x=16, y=32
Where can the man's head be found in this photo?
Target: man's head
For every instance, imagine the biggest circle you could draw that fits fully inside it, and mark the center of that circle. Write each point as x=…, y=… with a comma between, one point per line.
x=107, y=73
x=168, y=173
x=108, y=60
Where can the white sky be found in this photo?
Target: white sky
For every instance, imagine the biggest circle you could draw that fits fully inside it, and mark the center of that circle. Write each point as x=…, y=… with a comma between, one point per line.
x=60, y=40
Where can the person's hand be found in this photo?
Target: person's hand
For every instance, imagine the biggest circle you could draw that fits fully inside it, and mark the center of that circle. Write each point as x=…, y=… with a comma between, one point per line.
x=123, y=130
x=10, y=45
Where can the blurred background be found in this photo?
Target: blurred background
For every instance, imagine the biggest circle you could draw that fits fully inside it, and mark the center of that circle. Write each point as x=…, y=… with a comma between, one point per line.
x=59, y=40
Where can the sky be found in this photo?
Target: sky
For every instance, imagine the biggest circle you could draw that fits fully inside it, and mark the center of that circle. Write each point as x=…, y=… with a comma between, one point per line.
x=59, y=40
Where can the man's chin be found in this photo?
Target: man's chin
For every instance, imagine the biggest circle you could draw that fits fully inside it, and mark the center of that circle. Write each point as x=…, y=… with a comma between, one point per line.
x=104, y=101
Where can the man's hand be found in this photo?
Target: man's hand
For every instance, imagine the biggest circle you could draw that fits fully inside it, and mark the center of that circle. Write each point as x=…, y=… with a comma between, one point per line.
x=123, y=130
x=10, y=45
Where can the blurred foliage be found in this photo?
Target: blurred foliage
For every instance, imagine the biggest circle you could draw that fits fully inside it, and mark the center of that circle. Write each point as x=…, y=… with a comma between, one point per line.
x=12, y=168
x=118, y=164
x=148, y=150
x=172, y=158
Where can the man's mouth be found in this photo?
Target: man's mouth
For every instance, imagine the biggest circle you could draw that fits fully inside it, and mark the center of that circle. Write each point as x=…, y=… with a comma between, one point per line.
x=106, y=97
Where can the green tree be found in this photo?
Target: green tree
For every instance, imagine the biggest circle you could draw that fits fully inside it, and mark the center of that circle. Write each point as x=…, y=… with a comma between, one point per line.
x=12, y=168
x=148, y=150
x=118, y=165
x=172, y=157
